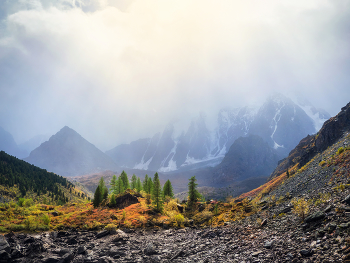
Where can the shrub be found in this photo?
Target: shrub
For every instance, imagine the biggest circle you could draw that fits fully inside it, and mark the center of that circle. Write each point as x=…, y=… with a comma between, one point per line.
x=301, y=207
x=322, y=163
x=203, y=216
x=46, y=219
x=111, y=227
x=3, y=229
x=15, y=228
x=179, y=219
x=340, y=150
x=28, y=202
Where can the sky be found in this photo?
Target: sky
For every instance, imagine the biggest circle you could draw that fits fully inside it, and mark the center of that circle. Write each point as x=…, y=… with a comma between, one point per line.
x=119, y=70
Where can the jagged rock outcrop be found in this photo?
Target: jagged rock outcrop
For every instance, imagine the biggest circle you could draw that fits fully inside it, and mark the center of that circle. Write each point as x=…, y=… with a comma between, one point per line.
x=331, y=131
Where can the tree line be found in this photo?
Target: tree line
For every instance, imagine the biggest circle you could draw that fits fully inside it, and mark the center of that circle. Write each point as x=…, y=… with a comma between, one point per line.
x=27, y=177
x=151, y=187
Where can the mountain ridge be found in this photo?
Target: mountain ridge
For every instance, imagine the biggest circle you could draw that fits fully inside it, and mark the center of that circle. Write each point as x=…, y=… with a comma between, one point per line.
x=67, y=153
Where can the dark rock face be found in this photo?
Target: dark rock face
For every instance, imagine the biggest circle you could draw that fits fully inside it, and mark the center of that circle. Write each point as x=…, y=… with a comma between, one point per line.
x=331, y=131
x=68, y=154
x=126, y=200
x=315, y=216
x=247, y=157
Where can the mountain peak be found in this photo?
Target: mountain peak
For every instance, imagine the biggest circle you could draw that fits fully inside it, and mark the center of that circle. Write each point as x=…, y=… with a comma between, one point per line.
x=67, y=153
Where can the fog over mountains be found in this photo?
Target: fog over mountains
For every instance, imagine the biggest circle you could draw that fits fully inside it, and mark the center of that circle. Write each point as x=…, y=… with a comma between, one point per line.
x=279, y=121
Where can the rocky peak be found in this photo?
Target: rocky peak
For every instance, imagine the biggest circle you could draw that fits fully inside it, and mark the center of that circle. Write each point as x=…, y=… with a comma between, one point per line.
x=331, y=131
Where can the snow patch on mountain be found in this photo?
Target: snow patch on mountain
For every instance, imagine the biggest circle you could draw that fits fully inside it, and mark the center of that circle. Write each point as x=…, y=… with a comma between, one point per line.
x=314, y=115
x=143, y=165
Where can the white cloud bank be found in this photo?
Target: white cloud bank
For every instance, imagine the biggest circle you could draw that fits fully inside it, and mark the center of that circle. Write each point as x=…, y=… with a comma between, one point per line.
x=119, y=70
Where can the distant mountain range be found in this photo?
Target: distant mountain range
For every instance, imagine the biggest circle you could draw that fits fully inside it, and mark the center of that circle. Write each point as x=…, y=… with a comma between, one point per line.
x=8, y=144
x=68, y=154
x=279, y=121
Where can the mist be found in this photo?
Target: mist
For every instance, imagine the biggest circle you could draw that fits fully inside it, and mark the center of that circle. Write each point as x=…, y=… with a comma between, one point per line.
x=116, y=71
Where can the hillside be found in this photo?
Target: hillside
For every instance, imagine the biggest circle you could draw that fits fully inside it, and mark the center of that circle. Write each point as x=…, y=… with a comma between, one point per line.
x=67, y=153
x=19, y=179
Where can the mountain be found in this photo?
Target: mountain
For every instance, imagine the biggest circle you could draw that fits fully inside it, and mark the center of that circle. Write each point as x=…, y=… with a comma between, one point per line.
x=68, y=154
x=8, y=144
x=247, y=157
x=331, y=131
x=279, y=121
x=32, y=143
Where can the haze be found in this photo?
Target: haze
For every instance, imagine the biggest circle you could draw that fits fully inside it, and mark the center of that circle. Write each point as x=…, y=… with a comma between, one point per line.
x=116, y=71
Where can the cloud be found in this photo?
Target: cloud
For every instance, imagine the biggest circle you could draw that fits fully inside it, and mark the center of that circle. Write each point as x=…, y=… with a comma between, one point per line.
x=119, y=70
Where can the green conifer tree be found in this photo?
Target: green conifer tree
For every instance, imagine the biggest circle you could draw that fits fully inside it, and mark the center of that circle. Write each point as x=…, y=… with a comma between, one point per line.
x=119, y=186
x=157, y=193
x=133, y=182
x=149, y=186
x=105, y=194
x=97, y=197
x=145, y=182
x=193, y=194
x=125, y=179
x=168, y=189
x=112, y=202
x=138, y=185
x=113, y=183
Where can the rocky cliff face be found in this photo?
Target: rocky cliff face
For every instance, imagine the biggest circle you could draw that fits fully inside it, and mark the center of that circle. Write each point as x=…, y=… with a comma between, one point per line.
x=331, y=131
x=68, y=154
x=247, y=157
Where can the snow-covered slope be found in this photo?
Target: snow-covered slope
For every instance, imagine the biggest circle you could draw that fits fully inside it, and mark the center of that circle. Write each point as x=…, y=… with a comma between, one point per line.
x=279, y=121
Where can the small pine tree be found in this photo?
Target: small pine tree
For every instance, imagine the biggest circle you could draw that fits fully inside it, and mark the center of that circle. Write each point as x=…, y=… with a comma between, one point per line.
x=112, y=202
x=113, y=183
x=193, y=194
x=287, y=173
x=168, y=189
x=138, y=185
x=102, y=186
x=145, y=182
x=157, y=193
x=97, y=197
x=149, y=188
x=119, y=187
x=125, y=179
x=105, y=194
x=133, y=181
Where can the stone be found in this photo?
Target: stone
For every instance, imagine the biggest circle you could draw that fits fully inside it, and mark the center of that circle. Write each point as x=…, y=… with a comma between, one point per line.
x=285, y=210
x=4, y=255
x=68, y=257
x=81, y=250
x=52, y=259
x=264, y=222
x=268, y=244
x=314, y=217
x=347, y=200
x=102, y=233
x=4, y=245
x=306, y=252
x=150, y=249
x=256, y=253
